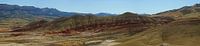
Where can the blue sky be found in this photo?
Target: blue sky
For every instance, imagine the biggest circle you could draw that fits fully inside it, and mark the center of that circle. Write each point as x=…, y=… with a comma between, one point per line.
x=108, y=6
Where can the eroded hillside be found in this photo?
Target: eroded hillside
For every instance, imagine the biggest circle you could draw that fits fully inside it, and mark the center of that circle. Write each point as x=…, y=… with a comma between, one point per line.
x=179, y=27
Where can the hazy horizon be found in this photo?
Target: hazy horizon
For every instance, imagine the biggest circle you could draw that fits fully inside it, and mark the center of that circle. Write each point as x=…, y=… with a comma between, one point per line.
x=106, y=6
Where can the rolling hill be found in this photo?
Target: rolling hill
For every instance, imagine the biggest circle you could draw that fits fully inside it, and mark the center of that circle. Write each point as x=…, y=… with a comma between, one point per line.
x=181, y=32
x=181, y=12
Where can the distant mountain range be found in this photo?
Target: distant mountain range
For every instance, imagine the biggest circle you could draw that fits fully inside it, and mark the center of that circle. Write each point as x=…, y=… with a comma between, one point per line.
x=16, y=11
x=10, y=10
x=25, y=14
x=104, y=14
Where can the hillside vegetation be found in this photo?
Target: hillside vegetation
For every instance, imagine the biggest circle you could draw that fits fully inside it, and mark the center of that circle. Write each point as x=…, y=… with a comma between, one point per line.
x=184, y=31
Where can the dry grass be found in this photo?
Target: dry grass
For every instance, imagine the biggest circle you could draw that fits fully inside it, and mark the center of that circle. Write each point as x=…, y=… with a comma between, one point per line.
x=179, y=33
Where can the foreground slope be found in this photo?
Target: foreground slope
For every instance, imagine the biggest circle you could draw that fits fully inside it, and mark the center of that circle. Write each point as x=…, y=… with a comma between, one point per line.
x=179, y=33
x=184, y=31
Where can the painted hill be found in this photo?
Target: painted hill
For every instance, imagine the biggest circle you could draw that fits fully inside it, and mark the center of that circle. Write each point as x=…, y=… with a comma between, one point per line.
x=82, y=23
